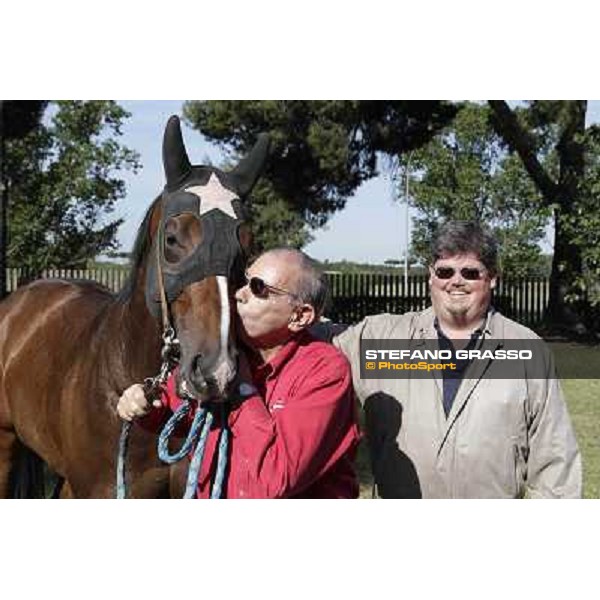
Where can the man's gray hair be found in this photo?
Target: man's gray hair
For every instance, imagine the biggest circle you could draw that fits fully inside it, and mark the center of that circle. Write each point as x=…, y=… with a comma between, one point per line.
x=312, y=287
x=463, y=237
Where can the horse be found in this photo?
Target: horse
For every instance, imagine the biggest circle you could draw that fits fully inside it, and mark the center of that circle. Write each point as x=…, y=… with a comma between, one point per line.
x=69, y=348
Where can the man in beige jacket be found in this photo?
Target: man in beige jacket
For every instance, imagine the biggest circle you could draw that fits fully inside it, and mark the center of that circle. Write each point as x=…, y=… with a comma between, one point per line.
x=473, y=436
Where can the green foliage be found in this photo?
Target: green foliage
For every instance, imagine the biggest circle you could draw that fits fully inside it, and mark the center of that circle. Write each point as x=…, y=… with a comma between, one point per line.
x=62, y=185
x=322, y=152
x=273, y=223
x=464, y=173
x=584, y=222
x=561, y=157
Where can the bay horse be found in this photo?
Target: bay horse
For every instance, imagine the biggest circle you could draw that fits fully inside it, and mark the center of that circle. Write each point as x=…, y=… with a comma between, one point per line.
x=68, y=349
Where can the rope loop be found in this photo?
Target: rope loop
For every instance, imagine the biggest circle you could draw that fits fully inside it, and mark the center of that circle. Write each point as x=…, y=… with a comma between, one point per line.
x=167, y=431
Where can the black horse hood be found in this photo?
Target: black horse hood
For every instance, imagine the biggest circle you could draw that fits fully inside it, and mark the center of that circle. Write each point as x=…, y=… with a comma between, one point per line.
x=216, y=198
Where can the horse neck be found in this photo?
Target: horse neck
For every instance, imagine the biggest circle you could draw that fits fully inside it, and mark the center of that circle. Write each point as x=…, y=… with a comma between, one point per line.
x=139, y=334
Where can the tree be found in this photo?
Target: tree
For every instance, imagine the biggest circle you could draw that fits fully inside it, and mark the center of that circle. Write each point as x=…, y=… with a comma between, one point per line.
x=322, y=152
x=17, y=119
x=464, y=173
x=273, y=223
x=61, y=185
x=561, y=157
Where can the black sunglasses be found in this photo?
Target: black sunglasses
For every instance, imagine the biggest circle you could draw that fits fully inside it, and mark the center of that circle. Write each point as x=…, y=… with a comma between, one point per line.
x=260, y=288
x=468, y=273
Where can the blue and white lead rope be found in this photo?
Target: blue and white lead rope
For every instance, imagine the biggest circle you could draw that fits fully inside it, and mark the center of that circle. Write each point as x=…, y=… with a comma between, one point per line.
x=199, y=429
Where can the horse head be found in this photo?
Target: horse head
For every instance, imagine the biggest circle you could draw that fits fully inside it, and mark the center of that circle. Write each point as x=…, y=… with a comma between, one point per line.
x=200, y=247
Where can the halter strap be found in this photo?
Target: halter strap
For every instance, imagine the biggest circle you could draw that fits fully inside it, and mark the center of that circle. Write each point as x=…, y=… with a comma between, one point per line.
x=161, y=286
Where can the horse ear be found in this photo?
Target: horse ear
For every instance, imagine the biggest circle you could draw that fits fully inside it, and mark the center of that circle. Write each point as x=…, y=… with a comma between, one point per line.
x=248, y=170
x=175, y=159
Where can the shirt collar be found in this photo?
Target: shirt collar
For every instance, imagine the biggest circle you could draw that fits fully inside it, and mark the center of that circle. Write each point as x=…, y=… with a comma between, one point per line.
x=428, y=325
x=474, y=334
x=261, y=371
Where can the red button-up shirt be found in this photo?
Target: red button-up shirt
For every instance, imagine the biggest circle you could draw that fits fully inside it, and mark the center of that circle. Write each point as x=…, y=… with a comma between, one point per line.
x=296, y=437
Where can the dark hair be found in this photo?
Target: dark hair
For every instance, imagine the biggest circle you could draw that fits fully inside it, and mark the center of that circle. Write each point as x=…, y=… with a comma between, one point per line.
x=463, y=237
x=313, y=286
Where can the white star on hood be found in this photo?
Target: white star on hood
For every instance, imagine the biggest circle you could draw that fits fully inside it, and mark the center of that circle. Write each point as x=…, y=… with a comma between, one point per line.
x=214, y=195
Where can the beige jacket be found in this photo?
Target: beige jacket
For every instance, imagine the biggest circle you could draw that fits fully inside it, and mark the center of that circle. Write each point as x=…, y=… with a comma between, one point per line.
x=502, y=438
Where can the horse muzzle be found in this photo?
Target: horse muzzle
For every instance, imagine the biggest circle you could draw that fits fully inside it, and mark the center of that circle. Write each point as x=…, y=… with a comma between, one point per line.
x=207, y=384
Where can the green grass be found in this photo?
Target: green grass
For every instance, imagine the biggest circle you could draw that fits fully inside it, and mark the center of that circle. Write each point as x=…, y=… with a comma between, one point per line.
x=583, y=401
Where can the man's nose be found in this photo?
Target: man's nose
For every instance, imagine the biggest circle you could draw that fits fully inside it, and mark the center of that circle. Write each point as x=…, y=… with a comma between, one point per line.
x=457, y=278
x=241, y=295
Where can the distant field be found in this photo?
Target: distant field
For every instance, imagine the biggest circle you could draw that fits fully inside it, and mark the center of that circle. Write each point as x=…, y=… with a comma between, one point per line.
x=583, y=400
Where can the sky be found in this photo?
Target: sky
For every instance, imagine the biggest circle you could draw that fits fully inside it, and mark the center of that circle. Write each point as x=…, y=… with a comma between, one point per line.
x=371, y=229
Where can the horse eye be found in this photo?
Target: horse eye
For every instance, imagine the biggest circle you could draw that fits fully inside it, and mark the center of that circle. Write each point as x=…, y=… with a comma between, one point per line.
x=245, y=236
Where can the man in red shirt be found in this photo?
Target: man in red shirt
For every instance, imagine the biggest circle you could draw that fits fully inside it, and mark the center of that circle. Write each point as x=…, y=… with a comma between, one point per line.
x=295, y=434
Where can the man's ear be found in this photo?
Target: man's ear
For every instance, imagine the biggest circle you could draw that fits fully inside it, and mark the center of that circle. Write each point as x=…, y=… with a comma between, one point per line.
x=303, y=316
x=493, y=282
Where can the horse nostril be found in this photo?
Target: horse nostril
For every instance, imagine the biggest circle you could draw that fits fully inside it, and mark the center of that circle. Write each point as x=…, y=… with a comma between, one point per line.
x=196, y=373
x=197, y=364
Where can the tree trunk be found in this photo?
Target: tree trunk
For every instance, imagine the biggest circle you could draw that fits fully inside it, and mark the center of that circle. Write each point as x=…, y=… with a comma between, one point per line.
x=562, y=195
x=566, y=262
